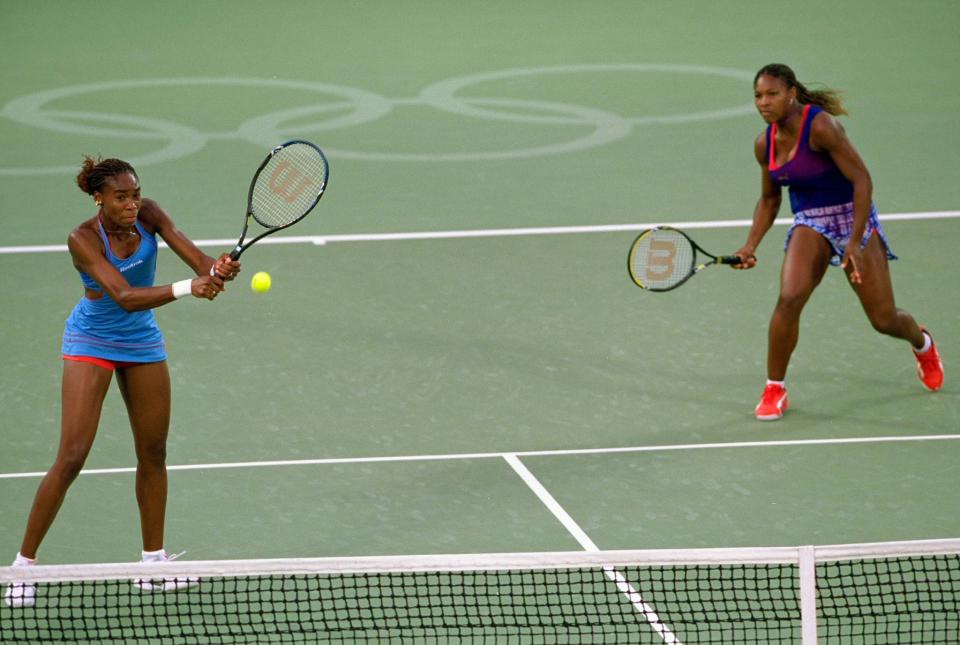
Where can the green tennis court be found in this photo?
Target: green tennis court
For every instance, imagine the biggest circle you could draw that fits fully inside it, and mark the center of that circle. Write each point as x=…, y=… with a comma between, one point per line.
x=458, y=302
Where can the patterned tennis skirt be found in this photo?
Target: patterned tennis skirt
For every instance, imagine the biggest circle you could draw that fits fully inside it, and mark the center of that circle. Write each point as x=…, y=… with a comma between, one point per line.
x=835, y=224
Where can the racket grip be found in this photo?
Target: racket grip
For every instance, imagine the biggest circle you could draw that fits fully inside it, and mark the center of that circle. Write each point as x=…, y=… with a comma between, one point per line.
x=730, y=259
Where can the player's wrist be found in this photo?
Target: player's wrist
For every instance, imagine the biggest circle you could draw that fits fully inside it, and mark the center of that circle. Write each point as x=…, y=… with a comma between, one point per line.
x=182, y=288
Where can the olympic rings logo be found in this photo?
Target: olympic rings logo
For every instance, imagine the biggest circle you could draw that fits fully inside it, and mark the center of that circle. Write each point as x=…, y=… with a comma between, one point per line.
x=353, y=107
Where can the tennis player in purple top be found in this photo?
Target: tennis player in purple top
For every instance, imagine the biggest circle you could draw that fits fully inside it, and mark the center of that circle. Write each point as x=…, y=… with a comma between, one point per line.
x=112, y=331
x=835, y=222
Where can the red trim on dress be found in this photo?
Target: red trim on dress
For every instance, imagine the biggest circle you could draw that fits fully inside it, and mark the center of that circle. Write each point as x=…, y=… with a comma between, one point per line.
x=101, y=362
x=773, y=141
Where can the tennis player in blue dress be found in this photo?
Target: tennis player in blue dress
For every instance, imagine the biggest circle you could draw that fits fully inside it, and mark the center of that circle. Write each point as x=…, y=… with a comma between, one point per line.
x=835, y=222
x=112, y=331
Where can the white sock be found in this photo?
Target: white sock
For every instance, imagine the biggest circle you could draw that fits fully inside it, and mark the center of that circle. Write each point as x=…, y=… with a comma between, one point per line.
x=927, y=342
x=782, y=384
x=153, y=556
x=21, y=561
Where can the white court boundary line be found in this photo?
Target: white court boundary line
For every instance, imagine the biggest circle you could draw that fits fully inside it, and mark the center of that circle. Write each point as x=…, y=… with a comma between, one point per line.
x=502, y=455
x=321, y=240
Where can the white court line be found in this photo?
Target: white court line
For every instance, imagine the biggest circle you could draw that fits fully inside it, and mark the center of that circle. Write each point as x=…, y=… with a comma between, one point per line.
x=502, y=455
x=551, y=503
x=623, y=585
x=320, y=240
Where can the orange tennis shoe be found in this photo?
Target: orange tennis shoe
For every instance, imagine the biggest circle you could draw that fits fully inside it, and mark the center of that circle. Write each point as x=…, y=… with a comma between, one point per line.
x=773, y=403
x=929, y=366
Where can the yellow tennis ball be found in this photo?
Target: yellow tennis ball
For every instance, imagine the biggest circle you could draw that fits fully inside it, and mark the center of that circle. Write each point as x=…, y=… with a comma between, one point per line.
x=260, y=282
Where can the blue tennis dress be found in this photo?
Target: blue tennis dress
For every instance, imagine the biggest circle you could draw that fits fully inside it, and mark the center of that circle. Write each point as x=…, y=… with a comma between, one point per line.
x=102, y=329
x=821, y=198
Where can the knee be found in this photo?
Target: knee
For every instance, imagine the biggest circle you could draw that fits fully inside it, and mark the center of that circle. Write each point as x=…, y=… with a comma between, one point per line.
x=792, y=302
x=885, y=322
x=152, y=454
x=68, y=465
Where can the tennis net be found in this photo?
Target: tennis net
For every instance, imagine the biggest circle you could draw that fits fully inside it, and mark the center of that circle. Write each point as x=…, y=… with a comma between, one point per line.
x=899, y=592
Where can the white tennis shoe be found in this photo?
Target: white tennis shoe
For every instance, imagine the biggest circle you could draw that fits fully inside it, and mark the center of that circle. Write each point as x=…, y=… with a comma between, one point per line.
x=20, y=594
x=167, y=583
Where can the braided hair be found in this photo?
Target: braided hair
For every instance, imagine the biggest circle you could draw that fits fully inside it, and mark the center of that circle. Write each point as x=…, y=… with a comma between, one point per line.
x=94, y=173
x=825, y=98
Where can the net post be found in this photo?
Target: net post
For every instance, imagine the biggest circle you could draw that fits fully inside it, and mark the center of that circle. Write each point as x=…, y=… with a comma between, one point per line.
x=808, y=595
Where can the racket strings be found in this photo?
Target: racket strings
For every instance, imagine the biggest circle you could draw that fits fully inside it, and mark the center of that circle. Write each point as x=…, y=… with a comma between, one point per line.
x=662, y=259
x=289, y=185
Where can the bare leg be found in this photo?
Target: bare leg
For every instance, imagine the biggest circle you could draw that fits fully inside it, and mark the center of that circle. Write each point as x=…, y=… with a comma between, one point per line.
x=146, y=392
x=806, y=261
x=84, y=388
x=876, y=296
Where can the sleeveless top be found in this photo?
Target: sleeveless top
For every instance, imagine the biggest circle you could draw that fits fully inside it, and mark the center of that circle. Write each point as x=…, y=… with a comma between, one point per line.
x=101, y=328
x=814, y=179
x=821, y=198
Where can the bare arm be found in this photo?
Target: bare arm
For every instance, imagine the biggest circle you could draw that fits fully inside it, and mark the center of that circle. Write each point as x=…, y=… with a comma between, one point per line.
x=765, y=211
x=201, y=263
x=157, y=220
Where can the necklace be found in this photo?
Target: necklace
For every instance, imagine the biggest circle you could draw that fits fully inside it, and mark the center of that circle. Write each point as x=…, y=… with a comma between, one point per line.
x=118, y=231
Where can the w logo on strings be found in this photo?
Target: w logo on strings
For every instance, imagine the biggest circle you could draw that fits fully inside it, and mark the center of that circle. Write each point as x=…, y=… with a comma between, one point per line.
x=660, y=259
x=287, y=182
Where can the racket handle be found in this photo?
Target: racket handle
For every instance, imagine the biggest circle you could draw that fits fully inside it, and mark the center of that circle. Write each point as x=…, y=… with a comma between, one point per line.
x=730, y=259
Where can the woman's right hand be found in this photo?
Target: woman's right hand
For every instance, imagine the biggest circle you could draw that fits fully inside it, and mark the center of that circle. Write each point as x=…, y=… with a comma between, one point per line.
x=748, y=259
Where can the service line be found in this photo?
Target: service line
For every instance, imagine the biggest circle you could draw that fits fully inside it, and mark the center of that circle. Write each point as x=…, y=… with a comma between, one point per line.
x=514, y=454
x=320, y=240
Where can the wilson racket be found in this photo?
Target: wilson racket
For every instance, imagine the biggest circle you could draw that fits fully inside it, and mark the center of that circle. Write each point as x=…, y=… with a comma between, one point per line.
x=286, y=186
x=662, y=258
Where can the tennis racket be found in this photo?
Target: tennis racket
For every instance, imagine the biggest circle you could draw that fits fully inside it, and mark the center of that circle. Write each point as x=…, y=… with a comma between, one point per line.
x=286, y=186
x=662, y=258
